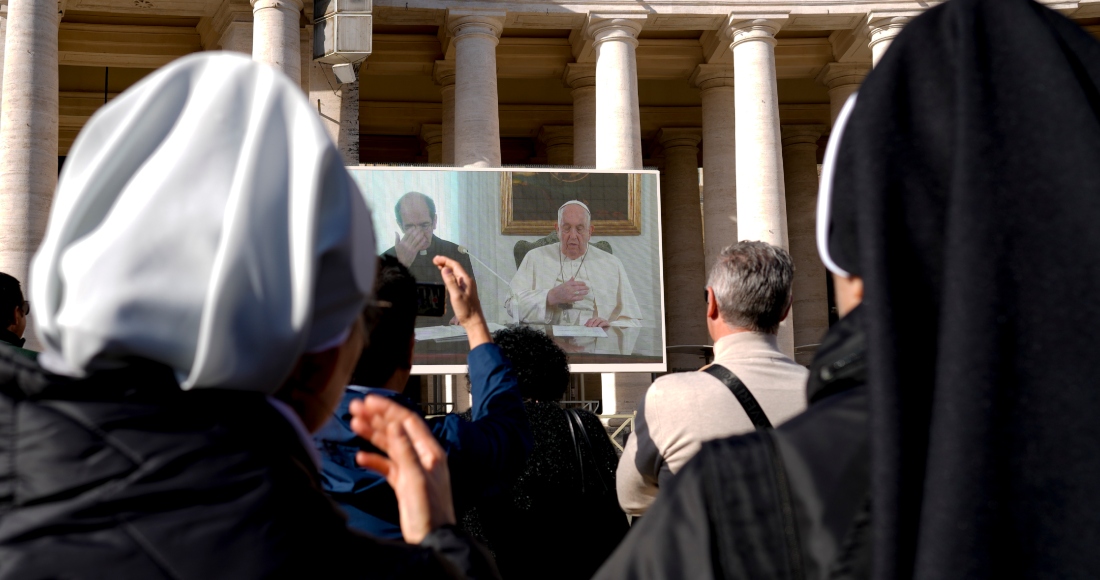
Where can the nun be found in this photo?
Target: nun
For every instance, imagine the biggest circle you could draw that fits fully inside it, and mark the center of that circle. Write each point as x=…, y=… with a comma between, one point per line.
x=957, y=214
x=198, y=293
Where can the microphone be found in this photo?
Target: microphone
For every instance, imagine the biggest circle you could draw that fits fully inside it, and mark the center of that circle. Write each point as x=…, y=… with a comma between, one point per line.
x=507, y=284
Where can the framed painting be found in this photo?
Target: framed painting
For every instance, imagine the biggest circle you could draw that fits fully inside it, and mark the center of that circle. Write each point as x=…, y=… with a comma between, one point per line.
x=530, y=201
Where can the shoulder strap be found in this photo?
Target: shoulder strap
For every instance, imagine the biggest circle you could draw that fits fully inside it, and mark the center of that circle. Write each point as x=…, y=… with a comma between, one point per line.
x=739, y=390
x=576, y=417
x=576, y=447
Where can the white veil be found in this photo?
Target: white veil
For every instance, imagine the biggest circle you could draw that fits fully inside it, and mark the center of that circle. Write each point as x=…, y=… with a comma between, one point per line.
x=203, y=220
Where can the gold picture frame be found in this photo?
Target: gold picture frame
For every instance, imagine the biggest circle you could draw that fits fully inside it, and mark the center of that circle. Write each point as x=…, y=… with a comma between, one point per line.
x=629, y=225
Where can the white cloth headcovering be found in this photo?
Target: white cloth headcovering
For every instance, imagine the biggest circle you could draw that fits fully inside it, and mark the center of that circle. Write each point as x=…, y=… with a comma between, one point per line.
x=203, y=220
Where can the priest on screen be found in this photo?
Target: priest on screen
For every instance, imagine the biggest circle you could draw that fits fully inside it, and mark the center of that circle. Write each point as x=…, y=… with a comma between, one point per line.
x=571, y=282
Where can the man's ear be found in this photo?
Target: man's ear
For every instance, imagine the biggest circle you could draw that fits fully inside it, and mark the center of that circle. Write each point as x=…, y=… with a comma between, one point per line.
x=787, y=310
x=712, y=305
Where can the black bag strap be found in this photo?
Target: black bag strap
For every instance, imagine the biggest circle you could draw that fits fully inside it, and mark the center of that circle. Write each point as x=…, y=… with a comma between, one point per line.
x=739, y=390
x=576, y=447
x=575, y=416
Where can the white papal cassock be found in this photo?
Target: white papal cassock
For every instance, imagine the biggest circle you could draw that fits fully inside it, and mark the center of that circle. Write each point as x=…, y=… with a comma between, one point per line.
x=609, y=293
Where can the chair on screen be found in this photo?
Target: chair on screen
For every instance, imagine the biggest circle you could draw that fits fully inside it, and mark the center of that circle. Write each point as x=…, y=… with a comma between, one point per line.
x=523, y=246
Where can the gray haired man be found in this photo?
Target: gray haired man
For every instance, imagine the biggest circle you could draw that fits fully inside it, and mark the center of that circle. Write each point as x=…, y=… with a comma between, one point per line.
x=748, y=295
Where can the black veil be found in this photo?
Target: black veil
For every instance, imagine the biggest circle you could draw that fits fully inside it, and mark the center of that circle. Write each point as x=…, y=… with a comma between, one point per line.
x=967, y=196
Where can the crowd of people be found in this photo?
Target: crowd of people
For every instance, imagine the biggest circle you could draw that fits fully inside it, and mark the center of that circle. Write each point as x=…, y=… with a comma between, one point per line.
x=220, y=392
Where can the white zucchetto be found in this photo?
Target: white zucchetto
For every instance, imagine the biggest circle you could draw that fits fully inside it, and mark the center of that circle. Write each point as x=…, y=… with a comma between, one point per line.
x=204, y=220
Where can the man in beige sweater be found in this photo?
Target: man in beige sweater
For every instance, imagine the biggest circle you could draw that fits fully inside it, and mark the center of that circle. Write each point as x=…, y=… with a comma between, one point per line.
x=748, y=295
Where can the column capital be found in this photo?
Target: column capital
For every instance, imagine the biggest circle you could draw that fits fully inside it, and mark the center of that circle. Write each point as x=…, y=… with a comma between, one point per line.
x=431, y=133
x=579, y=75
x=291, y=5
x=708, y=76
x=747, y=27
x=838, y=74
x=801, y=134
x=886, y=25
x=680, y=137
x=610, y=26
x=466, y=23
x=443, y=72
x=555, y=135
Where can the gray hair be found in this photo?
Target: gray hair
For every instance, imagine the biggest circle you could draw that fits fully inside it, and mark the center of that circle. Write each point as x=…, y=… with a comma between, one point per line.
x=752, y=285
x=587, y=214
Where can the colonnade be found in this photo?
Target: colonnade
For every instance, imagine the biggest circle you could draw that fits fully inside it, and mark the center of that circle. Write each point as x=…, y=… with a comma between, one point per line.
x=759, y=183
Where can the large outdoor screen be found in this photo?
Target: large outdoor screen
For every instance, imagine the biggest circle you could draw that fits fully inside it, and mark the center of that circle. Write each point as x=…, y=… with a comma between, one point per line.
x=592, y=281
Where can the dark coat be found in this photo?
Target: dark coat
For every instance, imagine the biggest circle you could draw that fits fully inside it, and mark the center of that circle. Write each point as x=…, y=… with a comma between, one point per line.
x=124, y=475
x=724, y=516
x=424, y=270
x=540, y=526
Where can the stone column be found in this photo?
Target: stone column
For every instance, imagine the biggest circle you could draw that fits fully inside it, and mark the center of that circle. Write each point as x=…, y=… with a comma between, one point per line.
x=433, y=139
x=715, y=82
x=559, y=144
x=276, y=37
x=338, y=106
x=581, y=78
x=681, y=238
x=618, y=122
x=3, y=33
x=761, y=203
x=444, y=75
x=842, y=79
x=477, y=119
x=28, y=134
x=811, y=301
x=884, y=27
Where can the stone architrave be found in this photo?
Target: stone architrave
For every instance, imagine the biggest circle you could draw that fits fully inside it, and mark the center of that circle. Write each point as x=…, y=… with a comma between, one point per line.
x=681, y=238
x=28, y=133
x=811, y=302
x=842, y=80
x=581, y=79
x=477, y=119
x=276, y=36
x=559, y=144
x=618, y=120
x=884, y=28
x=338, y=106
x=444, y=75
x=432, y=134
x=761, y=202
x=715, y=82
x=237, y=37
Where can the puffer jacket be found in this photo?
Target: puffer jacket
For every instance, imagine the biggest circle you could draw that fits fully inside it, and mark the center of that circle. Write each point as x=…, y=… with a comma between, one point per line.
x=125, y=475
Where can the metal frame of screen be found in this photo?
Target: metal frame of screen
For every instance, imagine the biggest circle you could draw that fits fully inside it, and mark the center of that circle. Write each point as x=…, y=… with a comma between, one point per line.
x=381, y=195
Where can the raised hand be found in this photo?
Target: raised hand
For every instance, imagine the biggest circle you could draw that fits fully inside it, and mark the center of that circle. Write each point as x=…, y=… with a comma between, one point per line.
x=567, y=293
x=467, y=306
x=416, y=468
x=409, y=246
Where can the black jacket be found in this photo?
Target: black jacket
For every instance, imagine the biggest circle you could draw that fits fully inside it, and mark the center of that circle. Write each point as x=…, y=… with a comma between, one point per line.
x=728, y=514
x=542, y=525
x=123, y=475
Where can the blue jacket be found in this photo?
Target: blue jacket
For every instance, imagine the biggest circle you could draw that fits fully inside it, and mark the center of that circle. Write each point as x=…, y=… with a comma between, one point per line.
x=481, y=454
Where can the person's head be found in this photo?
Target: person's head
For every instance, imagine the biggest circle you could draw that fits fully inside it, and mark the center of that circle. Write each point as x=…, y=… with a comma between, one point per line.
x=414, y=210
x=541, y=366
x=574, y=229
x=390, y=323
x=14, y=308
x=205, y=221
x=749, y=289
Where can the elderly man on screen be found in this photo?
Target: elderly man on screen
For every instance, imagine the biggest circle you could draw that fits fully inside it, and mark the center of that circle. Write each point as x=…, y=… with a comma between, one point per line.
x=572, y=282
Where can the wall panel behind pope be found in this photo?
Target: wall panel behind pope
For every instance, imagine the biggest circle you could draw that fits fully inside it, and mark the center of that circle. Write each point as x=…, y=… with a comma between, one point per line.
x=574, y=254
